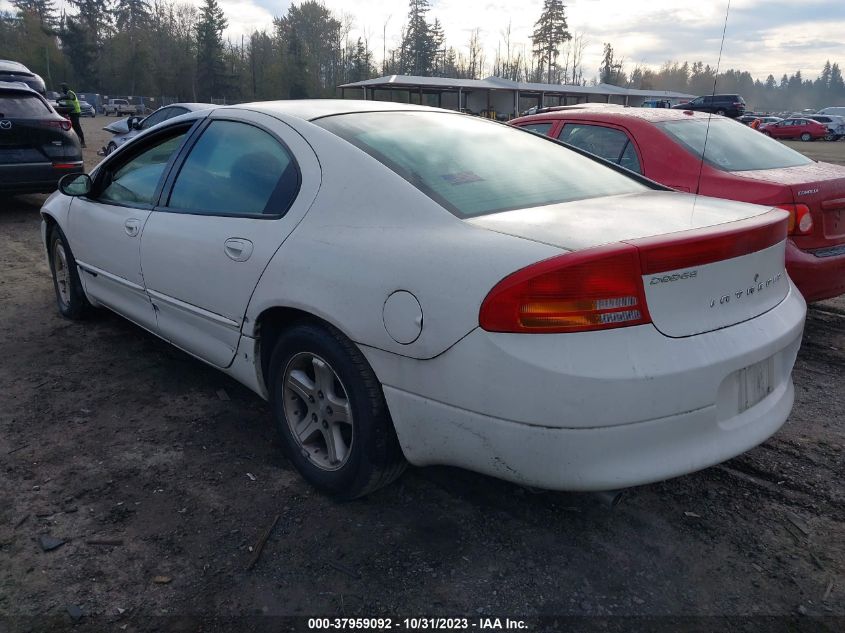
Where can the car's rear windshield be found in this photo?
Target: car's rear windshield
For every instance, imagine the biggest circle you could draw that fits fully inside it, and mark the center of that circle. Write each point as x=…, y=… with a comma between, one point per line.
x=14, y=105
x=474, y=167
x=732, y=146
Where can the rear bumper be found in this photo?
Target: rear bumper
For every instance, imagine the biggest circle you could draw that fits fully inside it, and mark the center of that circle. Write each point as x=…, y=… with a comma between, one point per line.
x=594, y=411
x=34, y=177
x=817, y=278
x=603, y=458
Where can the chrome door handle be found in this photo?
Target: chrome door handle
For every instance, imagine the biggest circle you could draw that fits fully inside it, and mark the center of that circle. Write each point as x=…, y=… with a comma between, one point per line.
x=132, y=227
x=238, y=249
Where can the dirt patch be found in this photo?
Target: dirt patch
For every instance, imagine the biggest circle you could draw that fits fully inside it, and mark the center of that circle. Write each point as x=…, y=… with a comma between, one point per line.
x=107, y=433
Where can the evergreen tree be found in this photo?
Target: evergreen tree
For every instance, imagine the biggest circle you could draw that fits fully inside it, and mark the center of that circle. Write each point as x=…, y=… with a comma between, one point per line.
x=209, y=36
x=131, y=51
x=44, y=9
x=550, y=31
x=360, y=62
x=610, y=71
x=314, y=34
x=80, y=44
x=420, y=42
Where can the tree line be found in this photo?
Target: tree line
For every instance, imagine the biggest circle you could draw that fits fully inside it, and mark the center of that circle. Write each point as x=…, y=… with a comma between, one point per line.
x=791, y=92
x=176, y=49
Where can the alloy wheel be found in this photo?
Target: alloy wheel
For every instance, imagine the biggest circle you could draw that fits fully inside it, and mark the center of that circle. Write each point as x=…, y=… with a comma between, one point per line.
x=317, y=411
x=62, y=273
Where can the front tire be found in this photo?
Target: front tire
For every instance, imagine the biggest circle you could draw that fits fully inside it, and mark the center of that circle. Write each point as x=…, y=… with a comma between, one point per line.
x=331, y=413
x=70, y=297
x=720, y=112
x=110, y=148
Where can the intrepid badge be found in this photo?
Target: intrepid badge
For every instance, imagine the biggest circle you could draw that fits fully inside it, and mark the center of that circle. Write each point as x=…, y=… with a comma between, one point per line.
x=755, y=288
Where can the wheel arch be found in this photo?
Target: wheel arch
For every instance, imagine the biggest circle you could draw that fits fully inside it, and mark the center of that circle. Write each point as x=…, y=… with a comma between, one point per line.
x=274, y=320
x=49, y=222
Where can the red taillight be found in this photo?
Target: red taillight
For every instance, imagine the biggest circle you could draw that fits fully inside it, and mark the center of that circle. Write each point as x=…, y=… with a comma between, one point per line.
x=595, y=289
x=66, y=165
x=602, y=288
x=63, y=124
x=800, y=218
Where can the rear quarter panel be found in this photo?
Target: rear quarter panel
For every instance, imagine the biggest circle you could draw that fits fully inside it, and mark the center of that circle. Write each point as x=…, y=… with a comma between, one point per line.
x=370, y=233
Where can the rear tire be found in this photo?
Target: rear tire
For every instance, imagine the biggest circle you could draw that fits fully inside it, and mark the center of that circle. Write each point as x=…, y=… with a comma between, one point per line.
x=70, y=297
x=331, y=413
x=806, y=137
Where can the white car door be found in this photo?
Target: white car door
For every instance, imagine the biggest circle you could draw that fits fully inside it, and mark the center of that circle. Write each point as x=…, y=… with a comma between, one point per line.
x=240, y=190
x=105, y=229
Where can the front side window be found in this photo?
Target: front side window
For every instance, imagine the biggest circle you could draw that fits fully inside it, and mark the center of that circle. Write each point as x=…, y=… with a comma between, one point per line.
x=136, y=181
x=732, y=146
x=236, y=169
x=473, y=167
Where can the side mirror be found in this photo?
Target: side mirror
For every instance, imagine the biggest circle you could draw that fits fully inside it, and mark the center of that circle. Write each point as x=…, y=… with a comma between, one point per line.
x=76, y=184
x=134, y=123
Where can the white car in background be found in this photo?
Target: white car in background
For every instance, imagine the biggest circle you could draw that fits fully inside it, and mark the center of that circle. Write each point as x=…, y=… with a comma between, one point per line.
x=405, y=283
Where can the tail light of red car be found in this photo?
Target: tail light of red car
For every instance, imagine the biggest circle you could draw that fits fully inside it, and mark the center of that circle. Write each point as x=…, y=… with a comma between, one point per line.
x=800, y=218
x=602, y=288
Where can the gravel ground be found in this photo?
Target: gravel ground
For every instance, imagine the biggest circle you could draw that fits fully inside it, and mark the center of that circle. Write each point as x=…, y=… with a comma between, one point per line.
x=108, y=434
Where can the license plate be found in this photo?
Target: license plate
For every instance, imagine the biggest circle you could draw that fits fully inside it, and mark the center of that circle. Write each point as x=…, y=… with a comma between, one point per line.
x=755, y=383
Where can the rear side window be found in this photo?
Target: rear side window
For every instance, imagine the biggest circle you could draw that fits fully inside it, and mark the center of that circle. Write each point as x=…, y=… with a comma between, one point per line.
x=540, y=128
x=607, y=143
x=732, y=146
x=21, y=106
x=473, y=167
x=236, y=169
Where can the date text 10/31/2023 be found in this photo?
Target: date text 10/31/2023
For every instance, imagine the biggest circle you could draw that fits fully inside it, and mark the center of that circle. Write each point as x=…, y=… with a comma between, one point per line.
x=414, y=624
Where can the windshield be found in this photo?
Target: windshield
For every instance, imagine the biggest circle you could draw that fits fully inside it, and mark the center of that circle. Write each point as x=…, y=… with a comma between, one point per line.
x=732, y=146
x=474, y=167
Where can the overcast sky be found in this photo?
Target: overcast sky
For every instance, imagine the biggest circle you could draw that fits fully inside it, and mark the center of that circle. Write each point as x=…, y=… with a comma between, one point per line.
x=763, y=36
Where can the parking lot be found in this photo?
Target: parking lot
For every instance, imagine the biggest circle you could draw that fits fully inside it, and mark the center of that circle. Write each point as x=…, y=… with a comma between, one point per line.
x=160, y=476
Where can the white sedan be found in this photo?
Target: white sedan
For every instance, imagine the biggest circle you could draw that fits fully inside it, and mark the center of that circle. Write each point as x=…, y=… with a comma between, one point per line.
x=405, y=283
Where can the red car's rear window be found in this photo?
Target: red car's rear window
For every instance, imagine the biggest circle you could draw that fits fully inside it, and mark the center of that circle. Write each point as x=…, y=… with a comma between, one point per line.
x=730, y=145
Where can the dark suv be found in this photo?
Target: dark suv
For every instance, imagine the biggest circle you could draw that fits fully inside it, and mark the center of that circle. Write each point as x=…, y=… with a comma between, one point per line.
x=37, y=146
x=726, y=105
x=14, y=71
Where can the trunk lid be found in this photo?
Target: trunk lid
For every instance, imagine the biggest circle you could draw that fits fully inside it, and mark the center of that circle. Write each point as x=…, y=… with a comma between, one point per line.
x=706, y=263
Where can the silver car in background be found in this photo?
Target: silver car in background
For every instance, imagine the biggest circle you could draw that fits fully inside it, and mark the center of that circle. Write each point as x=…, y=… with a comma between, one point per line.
x=130, y=127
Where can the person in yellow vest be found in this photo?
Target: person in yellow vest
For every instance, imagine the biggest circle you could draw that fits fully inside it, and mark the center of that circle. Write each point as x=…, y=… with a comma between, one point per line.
x=69, y=100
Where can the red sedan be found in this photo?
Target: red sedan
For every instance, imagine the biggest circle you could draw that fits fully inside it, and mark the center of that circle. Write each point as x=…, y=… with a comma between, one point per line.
x=805, y=129
x=739, y=164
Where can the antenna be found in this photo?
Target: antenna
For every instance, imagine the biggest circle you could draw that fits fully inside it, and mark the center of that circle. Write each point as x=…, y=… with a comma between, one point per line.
x=715, y=79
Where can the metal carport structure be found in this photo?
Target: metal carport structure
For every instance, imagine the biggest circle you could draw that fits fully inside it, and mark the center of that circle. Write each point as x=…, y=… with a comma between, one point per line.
x=495, y=96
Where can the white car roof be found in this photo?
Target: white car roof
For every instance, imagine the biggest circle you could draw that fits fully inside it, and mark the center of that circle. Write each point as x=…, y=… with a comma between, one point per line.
x=310, y=109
